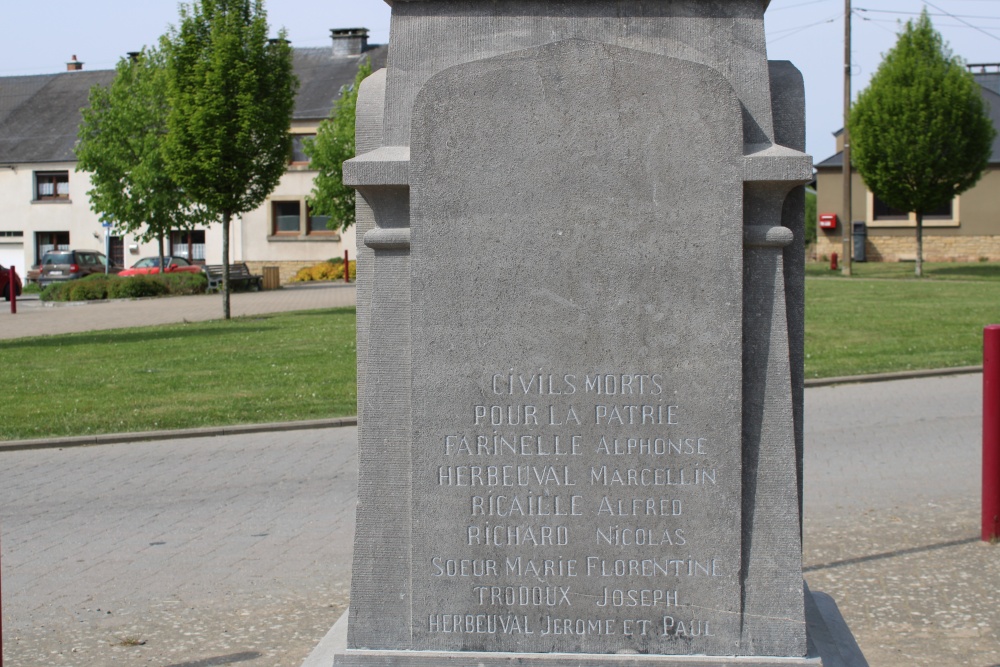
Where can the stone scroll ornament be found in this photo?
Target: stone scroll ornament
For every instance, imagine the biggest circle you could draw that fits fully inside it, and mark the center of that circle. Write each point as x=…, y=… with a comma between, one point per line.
x=580, y=340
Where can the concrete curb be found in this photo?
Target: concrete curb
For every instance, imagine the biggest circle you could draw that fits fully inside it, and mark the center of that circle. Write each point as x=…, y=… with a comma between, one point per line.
x=899, y=375
x=146, y=436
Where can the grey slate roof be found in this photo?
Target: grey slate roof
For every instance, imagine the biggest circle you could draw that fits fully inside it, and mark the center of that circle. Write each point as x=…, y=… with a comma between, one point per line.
x=987, y=84
x=835, y=160
x=39, y=114
x=321, y=77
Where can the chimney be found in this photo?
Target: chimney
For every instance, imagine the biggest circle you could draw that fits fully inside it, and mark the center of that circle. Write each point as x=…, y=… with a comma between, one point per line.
x=74, y=65
x=349, y=41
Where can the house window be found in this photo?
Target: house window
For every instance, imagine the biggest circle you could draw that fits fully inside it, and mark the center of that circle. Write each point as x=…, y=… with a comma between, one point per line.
x=880, y=214
x=286, y=218
x=941, y=213
x=298, y=149
x=882, y=211
x=317, y=224
x=46, y=241
x=189, y=244
x=51, y=185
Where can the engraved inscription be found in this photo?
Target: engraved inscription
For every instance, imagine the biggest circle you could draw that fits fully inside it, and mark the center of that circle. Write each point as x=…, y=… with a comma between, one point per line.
x=643, y=597
x=549, y=478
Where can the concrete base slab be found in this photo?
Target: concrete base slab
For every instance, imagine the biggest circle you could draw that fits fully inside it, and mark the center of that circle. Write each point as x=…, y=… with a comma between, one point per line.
x=831, y=644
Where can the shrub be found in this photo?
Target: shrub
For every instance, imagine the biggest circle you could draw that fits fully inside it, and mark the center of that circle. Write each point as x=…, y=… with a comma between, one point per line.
x=88, y=290
x=329, y=270
x=55, y=292
x=136, y=287
x=100, y=286
x=302, y=275
x=182, y=284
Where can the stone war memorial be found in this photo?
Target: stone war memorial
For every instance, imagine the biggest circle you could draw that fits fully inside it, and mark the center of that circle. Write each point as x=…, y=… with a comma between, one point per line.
x=580, y=334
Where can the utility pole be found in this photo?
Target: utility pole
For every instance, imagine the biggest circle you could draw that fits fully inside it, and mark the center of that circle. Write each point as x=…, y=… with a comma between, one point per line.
x=845, y=224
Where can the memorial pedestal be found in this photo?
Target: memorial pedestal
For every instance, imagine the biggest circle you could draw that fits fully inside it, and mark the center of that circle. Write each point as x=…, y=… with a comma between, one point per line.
x=580, y=341
x=831, y=644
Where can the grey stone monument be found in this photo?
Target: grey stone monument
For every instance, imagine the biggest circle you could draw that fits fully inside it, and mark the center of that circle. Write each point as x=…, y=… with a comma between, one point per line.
x=580, y=341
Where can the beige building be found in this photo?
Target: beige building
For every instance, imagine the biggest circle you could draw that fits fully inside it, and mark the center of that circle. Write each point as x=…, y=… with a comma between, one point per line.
x=43, y=200
x=968, y=229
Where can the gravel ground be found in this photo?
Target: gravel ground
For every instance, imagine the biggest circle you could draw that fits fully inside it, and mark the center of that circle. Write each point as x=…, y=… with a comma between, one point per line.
x=916, y=584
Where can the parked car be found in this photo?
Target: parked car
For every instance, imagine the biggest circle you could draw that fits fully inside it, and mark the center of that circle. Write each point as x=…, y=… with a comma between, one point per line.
x=5, y=283
x=149, y=265
x=61, y=265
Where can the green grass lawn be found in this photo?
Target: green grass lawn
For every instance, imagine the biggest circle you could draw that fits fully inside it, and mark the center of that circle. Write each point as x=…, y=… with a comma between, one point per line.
x=867, y=325
x=904, y=271
x=302, y=365
x=249, y=370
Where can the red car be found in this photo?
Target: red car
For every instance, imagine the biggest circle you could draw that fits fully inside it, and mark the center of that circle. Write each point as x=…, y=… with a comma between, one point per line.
x=148, y=265
x=5, y=283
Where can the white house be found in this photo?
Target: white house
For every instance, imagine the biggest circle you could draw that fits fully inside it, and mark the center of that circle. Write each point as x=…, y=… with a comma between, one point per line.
x=43, y=200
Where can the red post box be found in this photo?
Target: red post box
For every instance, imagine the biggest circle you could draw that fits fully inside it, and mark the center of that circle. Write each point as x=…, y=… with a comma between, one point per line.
x=827, y=220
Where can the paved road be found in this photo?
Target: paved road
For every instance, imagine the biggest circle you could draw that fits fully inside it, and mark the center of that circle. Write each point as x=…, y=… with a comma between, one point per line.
x=236, y=549
x=198, y=550
x=892, y=443
x=35, y=318
x=893, y=488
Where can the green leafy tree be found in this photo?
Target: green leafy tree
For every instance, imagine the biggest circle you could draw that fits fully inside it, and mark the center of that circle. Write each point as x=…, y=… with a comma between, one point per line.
x=811, y=219
x=333, y=144
x=121, y=145
x=920, y=134
x=231, y=92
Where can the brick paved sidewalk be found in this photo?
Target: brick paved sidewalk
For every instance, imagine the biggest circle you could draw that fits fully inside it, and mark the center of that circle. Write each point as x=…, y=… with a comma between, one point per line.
x=35, y=318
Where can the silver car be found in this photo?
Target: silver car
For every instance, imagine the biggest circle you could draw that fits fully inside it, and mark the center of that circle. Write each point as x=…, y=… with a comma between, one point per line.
x=61, y=265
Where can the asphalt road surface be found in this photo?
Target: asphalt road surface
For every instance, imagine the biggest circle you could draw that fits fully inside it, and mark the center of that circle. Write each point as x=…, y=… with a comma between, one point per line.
x=235, y=550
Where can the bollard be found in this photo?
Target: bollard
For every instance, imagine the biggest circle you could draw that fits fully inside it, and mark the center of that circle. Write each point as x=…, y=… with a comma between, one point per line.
x=991, y=433
x=347, y=268
x=12, y=288
x=833, y=262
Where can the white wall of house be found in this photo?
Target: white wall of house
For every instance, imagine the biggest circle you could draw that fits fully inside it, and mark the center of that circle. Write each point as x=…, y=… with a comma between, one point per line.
x=22, y=210
x=13, y=237
x=270, y=232
x=29, y=221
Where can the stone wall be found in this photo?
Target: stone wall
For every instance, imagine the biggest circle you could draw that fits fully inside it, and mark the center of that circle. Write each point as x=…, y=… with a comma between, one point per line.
x=904, y=248
x=286, y=269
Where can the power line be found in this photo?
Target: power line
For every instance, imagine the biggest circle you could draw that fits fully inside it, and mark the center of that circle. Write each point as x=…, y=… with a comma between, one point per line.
x=801, y=4
x=890, y=11
x=877, y=23
x=963, y=21
x=788, y=32
x=936, y=25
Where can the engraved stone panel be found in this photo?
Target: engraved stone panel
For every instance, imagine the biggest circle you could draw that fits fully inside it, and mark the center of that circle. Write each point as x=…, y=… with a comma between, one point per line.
x=576, y=259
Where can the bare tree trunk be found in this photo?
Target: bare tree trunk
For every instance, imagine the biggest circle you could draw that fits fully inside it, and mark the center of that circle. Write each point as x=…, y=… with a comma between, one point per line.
x=226, y=217
x=920, y=244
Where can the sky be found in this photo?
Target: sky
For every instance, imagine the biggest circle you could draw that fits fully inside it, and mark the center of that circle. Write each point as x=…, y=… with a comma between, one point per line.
x=810, y=33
